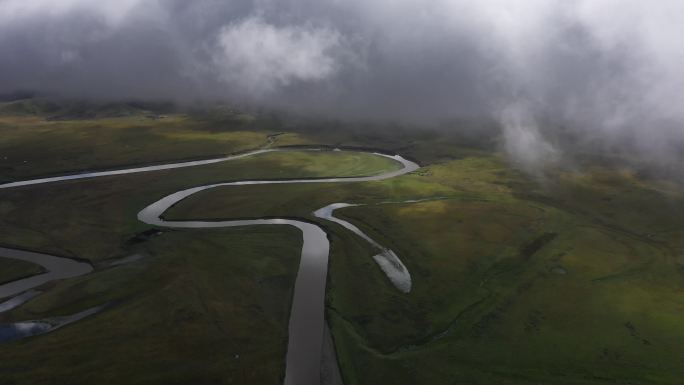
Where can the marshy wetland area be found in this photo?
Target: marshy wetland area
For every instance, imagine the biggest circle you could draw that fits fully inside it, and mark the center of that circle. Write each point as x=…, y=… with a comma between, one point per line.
x=446, y=264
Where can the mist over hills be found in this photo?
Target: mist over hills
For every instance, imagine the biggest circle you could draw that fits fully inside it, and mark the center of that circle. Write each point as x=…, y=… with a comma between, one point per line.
x=607, y=71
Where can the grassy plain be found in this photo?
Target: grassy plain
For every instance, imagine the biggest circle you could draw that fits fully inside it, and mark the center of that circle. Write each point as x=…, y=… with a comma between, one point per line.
x=201, y=307
x=575, y=278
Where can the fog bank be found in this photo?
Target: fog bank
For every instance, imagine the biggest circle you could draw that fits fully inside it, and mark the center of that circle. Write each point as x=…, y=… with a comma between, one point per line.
x=608, y=70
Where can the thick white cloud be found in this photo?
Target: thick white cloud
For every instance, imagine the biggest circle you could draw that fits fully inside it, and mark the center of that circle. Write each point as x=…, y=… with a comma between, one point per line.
x=259, y=58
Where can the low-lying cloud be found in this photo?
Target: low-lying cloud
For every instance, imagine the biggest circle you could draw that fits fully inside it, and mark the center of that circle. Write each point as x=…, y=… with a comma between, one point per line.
x=523, y=140
x=610, y=70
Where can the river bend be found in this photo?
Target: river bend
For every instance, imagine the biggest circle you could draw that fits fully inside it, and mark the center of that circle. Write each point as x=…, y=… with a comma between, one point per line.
x=307, y=316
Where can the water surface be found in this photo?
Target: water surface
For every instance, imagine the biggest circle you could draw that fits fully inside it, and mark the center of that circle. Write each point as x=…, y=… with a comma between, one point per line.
x=57, y=268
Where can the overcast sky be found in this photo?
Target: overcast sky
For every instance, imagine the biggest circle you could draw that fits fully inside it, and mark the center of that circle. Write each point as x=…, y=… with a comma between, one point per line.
x=607, y=68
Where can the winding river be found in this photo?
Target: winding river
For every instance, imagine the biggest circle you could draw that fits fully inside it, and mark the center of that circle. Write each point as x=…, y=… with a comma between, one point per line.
x=56, y=267
x=307, y=319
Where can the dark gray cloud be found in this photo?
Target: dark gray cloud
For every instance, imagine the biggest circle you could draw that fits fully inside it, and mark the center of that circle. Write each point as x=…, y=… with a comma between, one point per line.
x=609, y=69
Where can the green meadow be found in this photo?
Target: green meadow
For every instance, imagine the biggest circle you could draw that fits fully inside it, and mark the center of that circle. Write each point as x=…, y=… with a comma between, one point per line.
x=572, y=277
